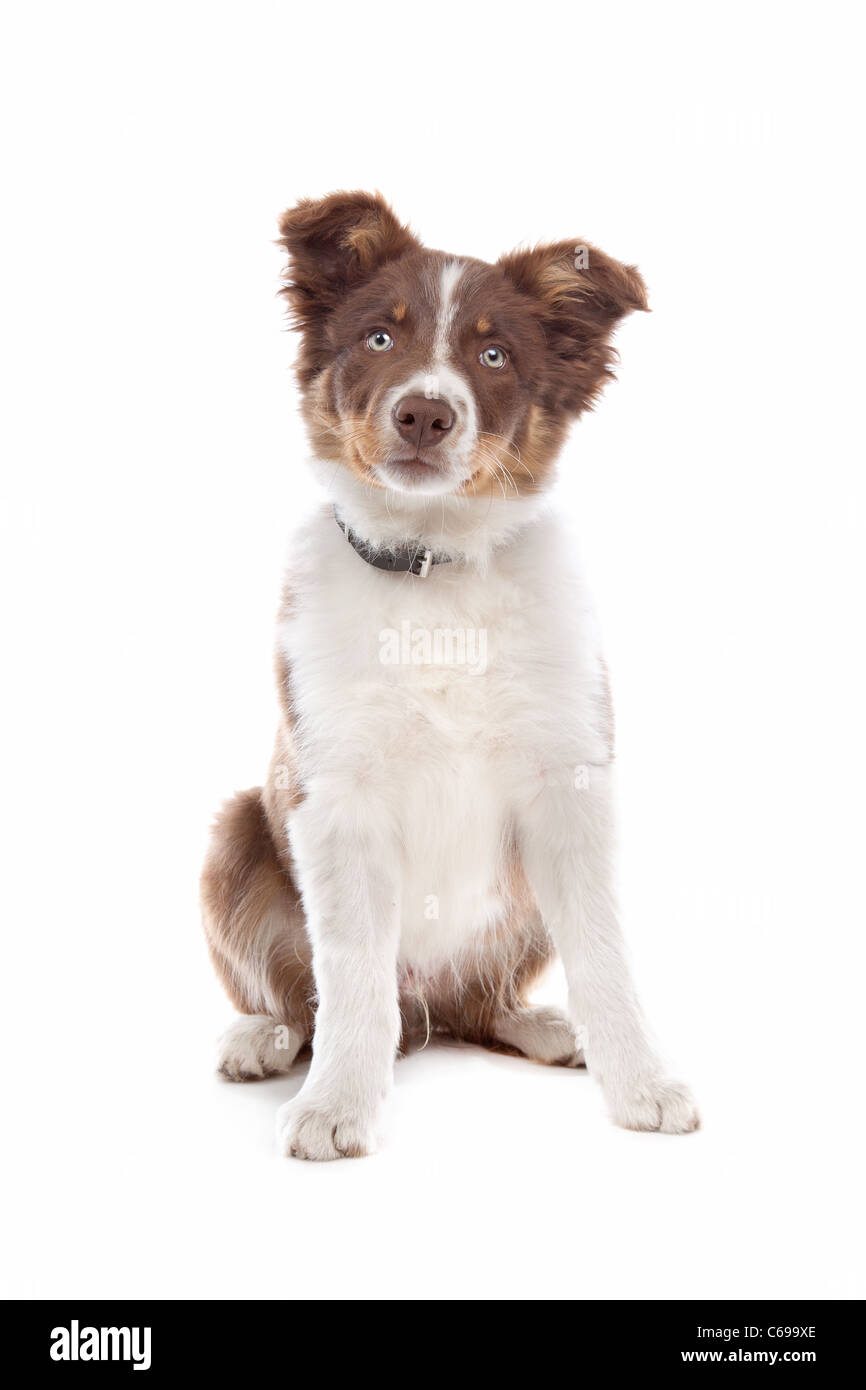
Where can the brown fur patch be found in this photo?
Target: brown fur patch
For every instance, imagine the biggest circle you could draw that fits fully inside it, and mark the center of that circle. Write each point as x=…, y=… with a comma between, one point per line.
x=520, y=466
x=581, y=294
x=334, y=244
x=253, y=919
x=495, y=974
x=251, y=908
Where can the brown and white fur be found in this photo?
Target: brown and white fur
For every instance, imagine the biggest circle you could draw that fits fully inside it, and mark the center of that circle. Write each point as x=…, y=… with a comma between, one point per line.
x=432, y=830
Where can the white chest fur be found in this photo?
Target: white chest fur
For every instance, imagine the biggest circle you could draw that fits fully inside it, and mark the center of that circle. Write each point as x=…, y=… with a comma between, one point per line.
x=436, y=707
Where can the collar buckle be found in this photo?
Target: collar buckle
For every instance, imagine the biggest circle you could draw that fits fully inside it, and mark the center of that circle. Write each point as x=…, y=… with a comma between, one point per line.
x=421, y=563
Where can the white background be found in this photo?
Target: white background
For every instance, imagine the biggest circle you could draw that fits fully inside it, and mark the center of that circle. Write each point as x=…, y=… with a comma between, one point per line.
x=152, y=472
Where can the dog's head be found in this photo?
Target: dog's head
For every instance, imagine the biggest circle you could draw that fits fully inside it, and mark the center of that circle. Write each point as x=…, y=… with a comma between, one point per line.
x=435, y=374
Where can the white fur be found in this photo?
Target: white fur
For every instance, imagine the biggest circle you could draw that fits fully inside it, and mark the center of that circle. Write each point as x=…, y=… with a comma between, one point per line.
x=449, y=280
x=544, y=1034
x=417, y=779
x=256, y=1045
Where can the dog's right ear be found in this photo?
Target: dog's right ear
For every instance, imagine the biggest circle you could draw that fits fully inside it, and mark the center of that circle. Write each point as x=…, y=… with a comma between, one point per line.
x=334, y=244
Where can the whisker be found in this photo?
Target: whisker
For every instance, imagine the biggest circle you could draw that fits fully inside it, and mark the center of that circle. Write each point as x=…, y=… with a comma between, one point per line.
x=486, y=452
x=491, y=472
x=512, y=452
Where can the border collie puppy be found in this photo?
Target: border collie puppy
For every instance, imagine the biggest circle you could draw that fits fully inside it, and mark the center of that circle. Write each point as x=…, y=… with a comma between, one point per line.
x=437, y=818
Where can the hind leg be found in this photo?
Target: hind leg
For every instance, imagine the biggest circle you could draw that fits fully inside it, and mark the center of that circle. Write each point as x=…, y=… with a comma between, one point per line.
x=256, y=1046
x=544, y=1035
x=255, y=930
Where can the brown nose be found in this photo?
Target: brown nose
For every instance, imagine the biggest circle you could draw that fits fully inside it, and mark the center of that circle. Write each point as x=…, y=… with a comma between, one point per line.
x=422, y=422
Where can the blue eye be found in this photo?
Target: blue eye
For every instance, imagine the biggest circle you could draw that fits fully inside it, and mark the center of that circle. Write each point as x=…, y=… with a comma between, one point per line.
x=380, y=341
x=494, y=357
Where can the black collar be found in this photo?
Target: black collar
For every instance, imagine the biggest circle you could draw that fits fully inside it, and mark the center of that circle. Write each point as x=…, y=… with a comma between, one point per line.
x=415, y=559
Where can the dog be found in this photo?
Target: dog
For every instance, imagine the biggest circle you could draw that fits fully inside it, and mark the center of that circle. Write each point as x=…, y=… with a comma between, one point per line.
x=437, y=819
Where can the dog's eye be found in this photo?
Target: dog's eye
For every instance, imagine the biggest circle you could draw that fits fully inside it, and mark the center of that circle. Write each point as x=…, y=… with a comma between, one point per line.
x=380, y=341
x=494, y=357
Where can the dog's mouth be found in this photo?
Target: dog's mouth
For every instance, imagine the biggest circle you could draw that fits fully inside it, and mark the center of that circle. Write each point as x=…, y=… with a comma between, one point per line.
x=408, y=470
x=421, y=460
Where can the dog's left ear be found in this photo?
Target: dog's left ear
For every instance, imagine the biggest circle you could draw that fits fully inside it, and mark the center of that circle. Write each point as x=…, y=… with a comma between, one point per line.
x=580, y=295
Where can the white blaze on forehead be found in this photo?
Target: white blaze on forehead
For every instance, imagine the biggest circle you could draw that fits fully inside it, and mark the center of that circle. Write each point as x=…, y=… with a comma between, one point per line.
x=441, y=378
x=449, y=279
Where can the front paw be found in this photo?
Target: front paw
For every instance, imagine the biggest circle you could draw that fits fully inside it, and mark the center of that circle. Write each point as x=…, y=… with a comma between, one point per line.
x=320, y=1132
x=655, y=1104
